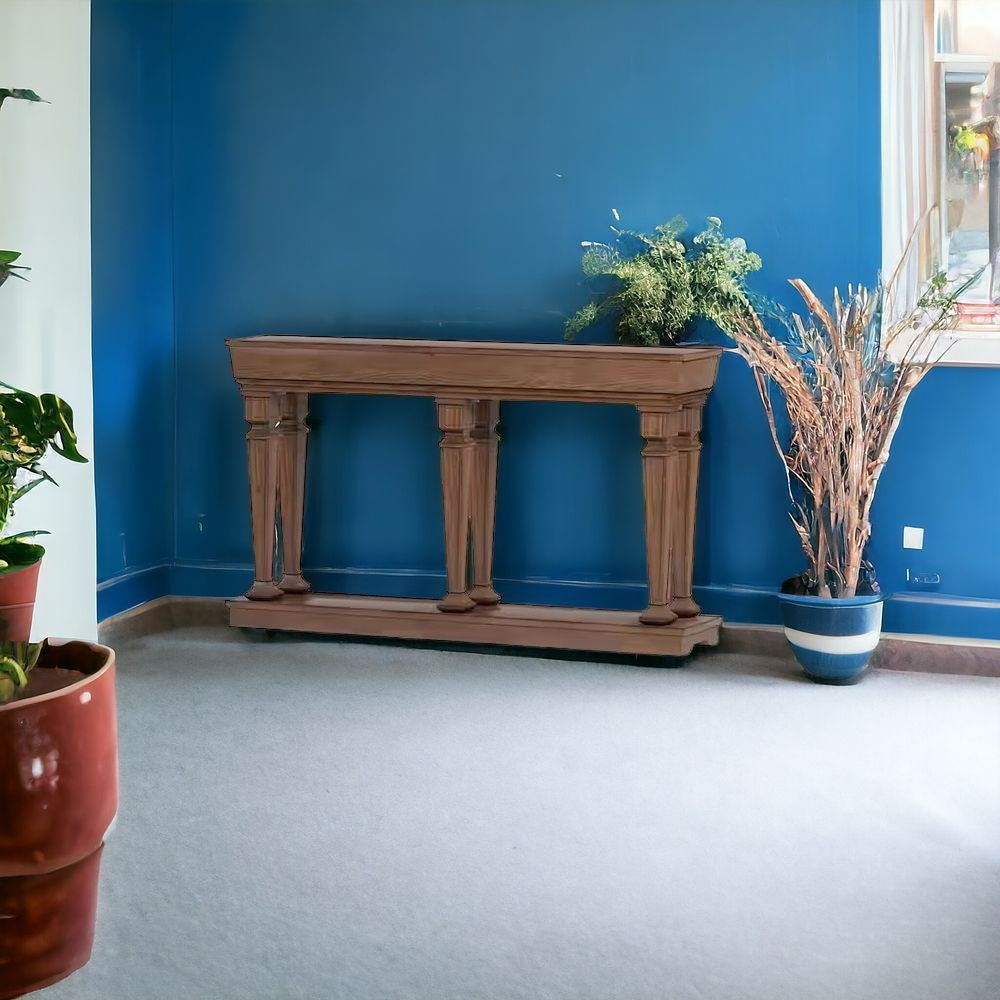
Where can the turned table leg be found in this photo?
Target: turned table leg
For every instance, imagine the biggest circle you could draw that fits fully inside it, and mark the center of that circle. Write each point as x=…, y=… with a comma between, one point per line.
x=292, y=433
x=689, y=453
x=455, y=420
x=486, y=444
x=659, y=428
x=263, y=415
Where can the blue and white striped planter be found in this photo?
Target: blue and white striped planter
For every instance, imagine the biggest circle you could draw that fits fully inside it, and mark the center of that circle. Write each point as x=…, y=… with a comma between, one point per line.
x=832, y=638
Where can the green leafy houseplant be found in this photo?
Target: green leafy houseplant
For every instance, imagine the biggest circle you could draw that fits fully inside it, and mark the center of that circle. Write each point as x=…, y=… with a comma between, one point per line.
x=654, y=285
x=29, y=426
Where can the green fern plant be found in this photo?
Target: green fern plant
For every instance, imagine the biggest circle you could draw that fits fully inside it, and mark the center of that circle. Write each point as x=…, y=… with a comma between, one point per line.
x=654, y=285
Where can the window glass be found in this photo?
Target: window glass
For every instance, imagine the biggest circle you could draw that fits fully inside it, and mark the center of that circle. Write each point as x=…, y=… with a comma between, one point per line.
x=967, y=35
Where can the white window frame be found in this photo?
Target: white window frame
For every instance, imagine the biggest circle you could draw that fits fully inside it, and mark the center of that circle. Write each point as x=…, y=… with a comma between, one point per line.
x=970, y=345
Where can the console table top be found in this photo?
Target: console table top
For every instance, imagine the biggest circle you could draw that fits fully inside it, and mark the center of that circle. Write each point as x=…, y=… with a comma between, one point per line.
x=471, y=369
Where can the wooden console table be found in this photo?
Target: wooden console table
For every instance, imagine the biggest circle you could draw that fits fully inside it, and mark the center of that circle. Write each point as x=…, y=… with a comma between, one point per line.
x=467, y=382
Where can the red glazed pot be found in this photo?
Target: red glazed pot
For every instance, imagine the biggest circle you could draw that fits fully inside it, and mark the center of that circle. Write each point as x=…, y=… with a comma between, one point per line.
x=58, y=797
x=17, y=602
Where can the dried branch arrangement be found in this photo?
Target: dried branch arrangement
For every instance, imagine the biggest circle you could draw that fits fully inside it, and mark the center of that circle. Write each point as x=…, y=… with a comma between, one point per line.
x=845, y=376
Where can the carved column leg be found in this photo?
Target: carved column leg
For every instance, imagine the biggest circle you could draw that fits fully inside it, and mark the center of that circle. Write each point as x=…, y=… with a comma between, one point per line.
x=689, y=449
x=262, y=414
x=292, y=488
x=484, y=500
x=455, y=420
x=659, y=486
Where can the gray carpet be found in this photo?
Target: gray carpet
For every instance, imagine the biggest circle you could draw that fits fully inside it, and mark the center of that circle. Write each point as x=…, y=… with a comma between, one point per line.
x=310, y=819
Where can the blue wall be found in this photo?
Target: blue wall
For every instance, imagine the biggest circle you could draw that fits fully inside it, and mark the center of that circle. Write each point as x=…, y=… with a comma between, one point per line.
x=133, y=330
x=429, y=169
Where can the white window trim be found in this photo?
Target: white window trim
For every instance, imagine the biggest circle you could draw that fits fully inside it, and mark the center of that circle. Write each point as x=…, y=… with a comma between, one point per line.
x=969, y=345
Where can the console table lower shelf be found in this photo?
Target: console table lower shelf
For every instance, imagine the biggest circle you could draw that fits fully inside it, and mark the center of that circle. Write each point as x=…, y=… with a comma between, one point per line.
x=530, y=625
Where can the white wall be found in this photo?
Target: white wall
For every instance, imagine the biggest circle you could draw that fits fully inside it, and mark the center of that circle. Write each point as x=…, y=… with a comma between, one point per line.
x=45, y=325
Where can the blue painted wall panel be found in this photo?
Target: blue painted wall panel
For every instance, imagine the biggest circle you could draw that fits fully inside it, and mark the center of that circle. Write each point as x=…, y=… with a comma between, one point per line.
x=133, y=337
x=942, y=476
x=428, y=170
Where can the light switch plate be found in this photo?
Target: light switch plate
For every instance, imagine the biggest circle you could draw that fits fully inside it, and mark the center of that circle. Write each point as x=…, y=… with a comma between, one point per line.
x=913, y=538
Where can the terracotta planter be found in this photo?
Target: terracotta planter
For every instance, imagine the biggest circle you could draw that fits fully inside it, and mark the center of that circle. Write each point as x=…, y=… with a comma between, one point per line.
x=58, y=797
x=17, y=602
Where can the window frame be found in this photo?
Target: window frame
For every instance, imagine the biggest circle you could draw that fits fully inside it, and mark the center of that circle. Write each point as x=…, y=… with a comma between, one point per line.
x=943, y=63
x=968, y=344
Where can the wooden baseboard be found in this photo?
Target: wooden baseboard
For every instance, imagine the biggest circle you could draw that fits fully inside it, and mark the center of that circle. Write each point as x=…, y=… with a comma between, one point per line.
x=535, y=626
x=161, y=615
x=908, y=653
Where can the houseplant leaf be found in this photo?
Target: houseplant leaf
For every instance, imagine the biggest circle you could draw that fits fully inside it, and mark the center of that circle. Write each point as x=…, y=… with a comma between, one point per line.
x=25, y=534
x=17, y=659
x=57, y=426
x=20, y=94
x=8, y=269
x=14, y=671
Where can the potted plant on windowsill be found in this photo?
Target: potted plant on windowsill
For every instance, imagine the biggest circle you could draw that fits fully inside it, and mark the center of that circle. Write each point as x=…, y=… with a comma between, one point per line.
x=655, y=285
x=58, y=737
x=844, y=397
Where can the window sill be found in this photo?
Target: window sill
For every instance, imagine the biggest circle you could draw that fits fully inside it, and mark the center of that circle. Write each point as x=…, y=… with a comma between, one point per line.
x=972, y=346
x=977, y=346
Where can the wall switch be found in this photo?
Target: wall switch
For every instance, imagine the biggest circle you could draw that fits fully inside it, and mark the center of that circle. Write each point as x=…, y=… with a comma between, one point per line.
x=913, y=538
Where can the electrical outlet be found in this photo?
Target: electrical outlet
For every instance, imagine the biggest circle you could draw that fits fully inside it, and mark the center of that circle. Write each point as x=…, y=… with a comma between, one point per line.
x=913, y=538
x=923, y=580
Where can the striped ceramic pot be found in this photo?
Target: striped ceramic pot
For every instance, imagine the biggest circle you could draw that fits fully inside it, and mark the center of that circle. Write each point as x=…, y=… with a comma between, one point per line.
x=832, y=638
